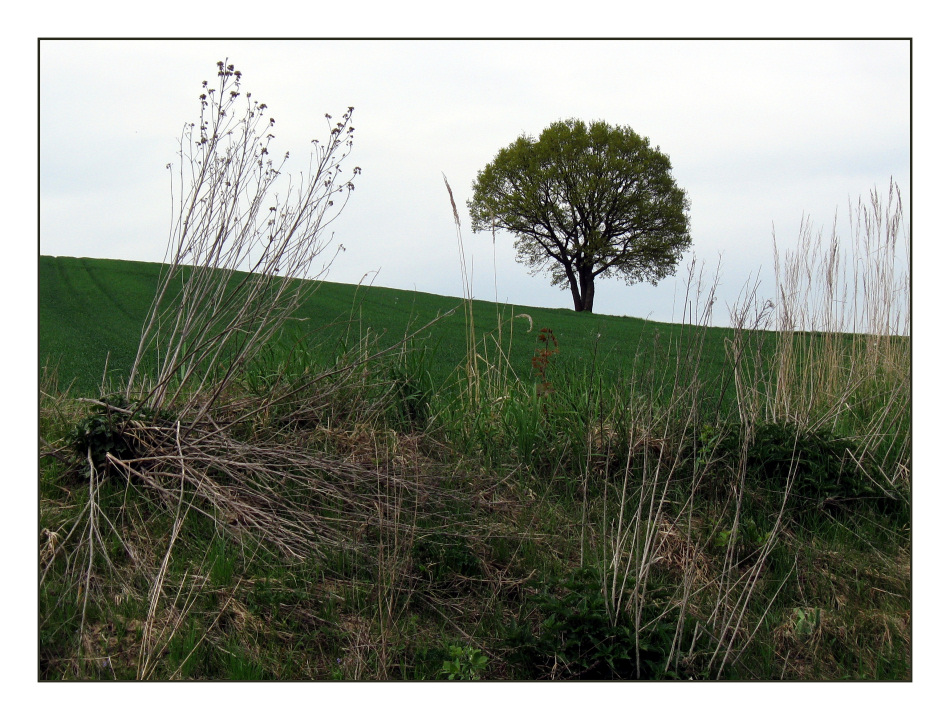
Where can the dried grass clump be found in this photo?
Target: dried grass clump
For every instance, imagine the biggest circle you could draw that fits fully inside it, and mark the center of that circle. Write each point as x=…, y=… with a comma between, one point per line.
x=298, y=499
x=681, y=553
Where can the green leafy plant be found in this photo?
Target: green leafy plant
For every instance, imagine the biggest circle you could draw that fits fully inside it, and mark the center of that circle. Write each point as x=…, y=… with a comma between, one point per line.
x=579, y=639
x=806, y=621
x=708, y=440
x=99, y=433
x=466, y=663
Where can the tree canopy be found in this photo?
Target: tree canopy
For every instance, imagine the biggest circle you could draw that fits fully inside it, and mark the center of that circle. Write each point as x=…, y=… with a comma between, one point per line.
x=584, y=201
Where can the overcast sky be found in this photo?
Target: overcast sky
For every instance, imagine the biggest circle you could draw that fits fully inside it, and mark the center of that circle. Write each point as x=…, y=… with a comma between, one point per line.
x=759, y=133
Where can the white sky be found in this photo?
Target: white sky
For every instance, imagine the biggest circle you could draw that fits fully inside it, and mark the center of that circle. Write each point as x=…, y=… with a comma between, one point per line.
x=759, y=133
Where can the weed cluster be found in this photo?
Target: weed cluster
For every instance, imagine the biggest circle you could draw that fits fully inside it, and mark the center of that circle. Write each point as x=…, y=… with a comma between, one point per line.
x=579, y=638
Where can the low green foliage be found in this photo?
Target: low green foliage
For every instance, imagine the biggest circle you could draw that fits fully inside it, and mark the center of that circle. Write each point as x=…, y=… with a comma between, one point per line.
x=440, y=556
x=578, y=637
x=465, y=663
x=99, y=433
x=819, y=467
x=749, y=535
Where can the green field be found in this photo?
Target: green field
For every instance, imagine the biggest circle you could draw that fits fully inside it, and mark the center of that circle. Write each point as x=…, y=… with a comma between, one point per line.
x=91, y=309
x=370, y=497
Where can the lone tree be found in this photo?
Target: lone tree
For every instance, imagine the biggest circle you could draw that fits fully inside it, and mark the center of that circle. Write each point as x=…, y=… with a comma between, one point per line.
x=585, y=201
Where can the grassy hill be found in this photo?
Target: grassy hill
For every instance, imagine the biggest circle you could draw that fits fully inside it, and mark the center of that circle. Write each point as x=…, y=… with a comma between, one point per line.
x=91, y=310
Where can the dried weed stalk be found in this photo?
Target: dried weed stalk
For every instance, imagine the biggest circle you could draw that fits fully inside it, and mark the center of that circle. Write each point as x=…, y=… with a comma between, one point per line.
x=237, y=247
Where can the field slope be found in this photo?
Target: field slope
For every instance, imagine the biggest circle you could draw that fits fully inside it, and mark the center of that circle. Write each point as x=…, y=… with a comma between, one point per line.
x=92, y=310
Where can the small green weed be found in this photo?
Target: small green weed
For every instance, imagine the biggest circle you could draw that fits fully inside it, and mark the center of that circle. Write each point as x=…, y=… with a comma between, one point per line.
x=466, y=663
x=807, y=620
x=578, y=638
x=96, y=435
x=749, y=534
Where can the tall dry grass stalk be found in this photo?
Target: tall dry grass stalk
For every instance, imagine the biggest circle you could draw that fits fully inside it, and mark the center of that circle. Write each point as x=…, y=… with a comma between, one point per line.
x=858, y=306
x=472, y=375
x=487, y=368
x=842, y=327
x=237, y=247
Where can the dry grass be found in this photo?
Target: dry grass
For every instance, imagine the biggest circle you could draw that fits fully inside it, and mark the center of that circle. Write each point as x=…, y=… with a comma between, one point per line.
x=859, y=303
x=236, y=244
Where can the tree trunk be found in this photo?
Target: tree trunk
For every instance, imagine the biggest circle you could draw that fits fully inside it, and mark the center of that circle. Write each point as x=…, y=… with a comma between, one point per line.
x=584, y=301
x=575, y=290
x=582, y=288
